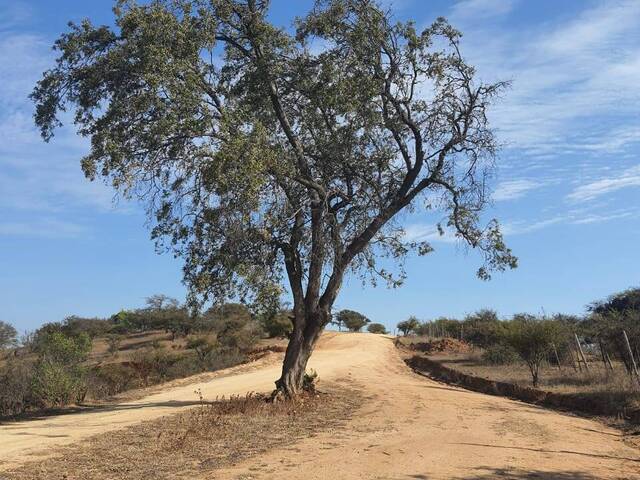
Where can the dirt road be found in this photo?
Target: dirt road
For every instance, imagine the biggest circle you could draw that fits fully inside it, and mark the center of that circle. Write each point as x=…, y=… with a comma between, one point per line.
x=409, y=428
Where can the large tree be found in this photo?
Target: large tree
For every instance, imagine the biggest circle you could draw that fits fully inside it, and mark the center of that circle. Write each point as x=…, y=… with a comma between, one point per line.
x=262, y=153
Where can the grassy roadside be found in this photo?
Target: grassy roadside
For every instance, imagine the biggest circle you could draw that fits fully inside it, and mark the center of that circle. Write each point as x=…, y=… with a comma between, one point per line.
x=196, y=443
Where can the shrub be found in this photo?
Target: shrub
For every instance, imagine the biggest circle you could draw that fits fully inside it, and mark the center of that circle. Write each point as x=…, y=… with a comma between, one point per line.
x=58, y=376
x=110, y=379
x=15, y=386
x=152, y=363
x=203, y=346
x=64, y=349
x=376, y=328
x=55, y=383
x=500, y=355
x=113, y=344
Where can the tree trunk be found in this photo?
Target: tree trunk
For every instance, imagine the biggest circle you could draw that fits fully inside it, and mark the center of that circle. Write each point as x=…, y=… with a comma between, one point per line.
x=306, y=332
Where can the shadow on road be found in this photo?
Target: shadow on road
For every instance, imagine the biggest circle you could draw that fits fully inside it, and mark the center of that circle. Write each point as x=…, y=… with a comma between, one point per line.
x=19, y=421
x=543, y=450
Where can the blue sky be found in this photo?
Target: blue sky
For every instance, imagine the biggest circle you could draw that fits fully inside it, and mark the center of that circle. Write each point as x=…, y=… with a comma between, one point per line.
x=567, y=189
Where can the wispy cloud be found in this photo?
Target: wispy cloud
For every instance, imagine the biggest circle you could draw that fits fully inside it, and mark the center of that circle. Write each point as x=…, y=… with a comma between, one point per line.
x=477, y=9
x=574, y=217
x=43, y=228
x=591, y=190
x=514, y=189
x=569, y=78
x=37, y=178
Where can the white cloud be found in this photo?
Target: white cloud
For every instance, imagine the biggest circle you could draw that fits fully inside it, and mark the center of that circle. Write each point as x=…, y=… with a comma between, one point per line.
x=514, y=189
x=589, y=191
x=573, y=217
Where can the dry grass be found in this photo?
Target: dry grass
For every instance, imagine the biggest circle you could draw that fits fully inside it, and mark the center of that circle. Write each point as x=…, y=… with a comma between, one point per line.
x=196, y=443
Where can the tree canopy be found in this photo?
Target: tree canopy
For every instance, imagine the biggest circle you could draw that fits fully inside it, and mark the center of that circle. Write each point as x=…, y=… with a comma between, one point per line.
x=259, y=155
x=409, y=325
x=352, y=320
x=8, y=335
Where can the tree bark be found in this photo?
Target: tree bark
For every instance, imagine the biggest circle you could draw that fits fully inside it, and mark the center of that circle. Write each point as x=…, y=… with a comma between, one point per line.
x=306, y=332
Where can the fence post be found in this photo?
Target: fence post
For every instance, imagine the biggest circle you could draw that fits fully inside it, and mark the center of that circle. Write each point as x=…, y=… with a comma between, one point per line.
x=555, y=352
x=605, y=356
x=586, y=365
x=630, y=352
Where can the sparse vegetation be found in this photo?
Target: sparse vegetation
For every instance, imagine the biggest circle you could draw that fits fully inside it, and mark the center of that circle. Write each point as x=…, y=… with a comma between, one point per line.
x=224, y=432
x=56, y=366
x=542, y=350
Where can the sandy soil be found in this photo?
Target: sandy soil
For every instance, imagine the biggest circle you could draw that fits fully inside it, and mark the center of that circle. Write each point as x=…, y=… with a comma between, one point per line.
x=409, y=428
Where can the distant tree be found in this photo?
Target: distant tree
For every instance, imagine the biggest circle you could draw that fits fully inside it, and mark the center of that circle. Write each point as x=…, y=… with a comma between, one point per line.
x=408, y=326
x=75, y=325
x=627, y=300
x=483, y=328
x=8, y=335
x=234, y=326
x=259, y=157
x=159, y=301
x=376, y=328
x=533, y=339
x=352, y=320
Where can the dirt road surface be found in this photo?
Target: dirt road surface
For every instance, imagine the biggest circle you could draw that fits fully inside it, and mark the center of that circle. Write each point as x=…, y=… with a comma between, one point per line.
x=409, y=428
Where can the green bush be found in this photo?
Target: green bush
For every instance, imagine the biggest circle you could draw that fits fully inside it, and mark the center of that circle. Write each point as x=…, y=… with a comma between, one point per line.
x=500, y=355
x=58, y=347
x=58, y=376
x=57, y=384
x=483, y=328
x=278, y=324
